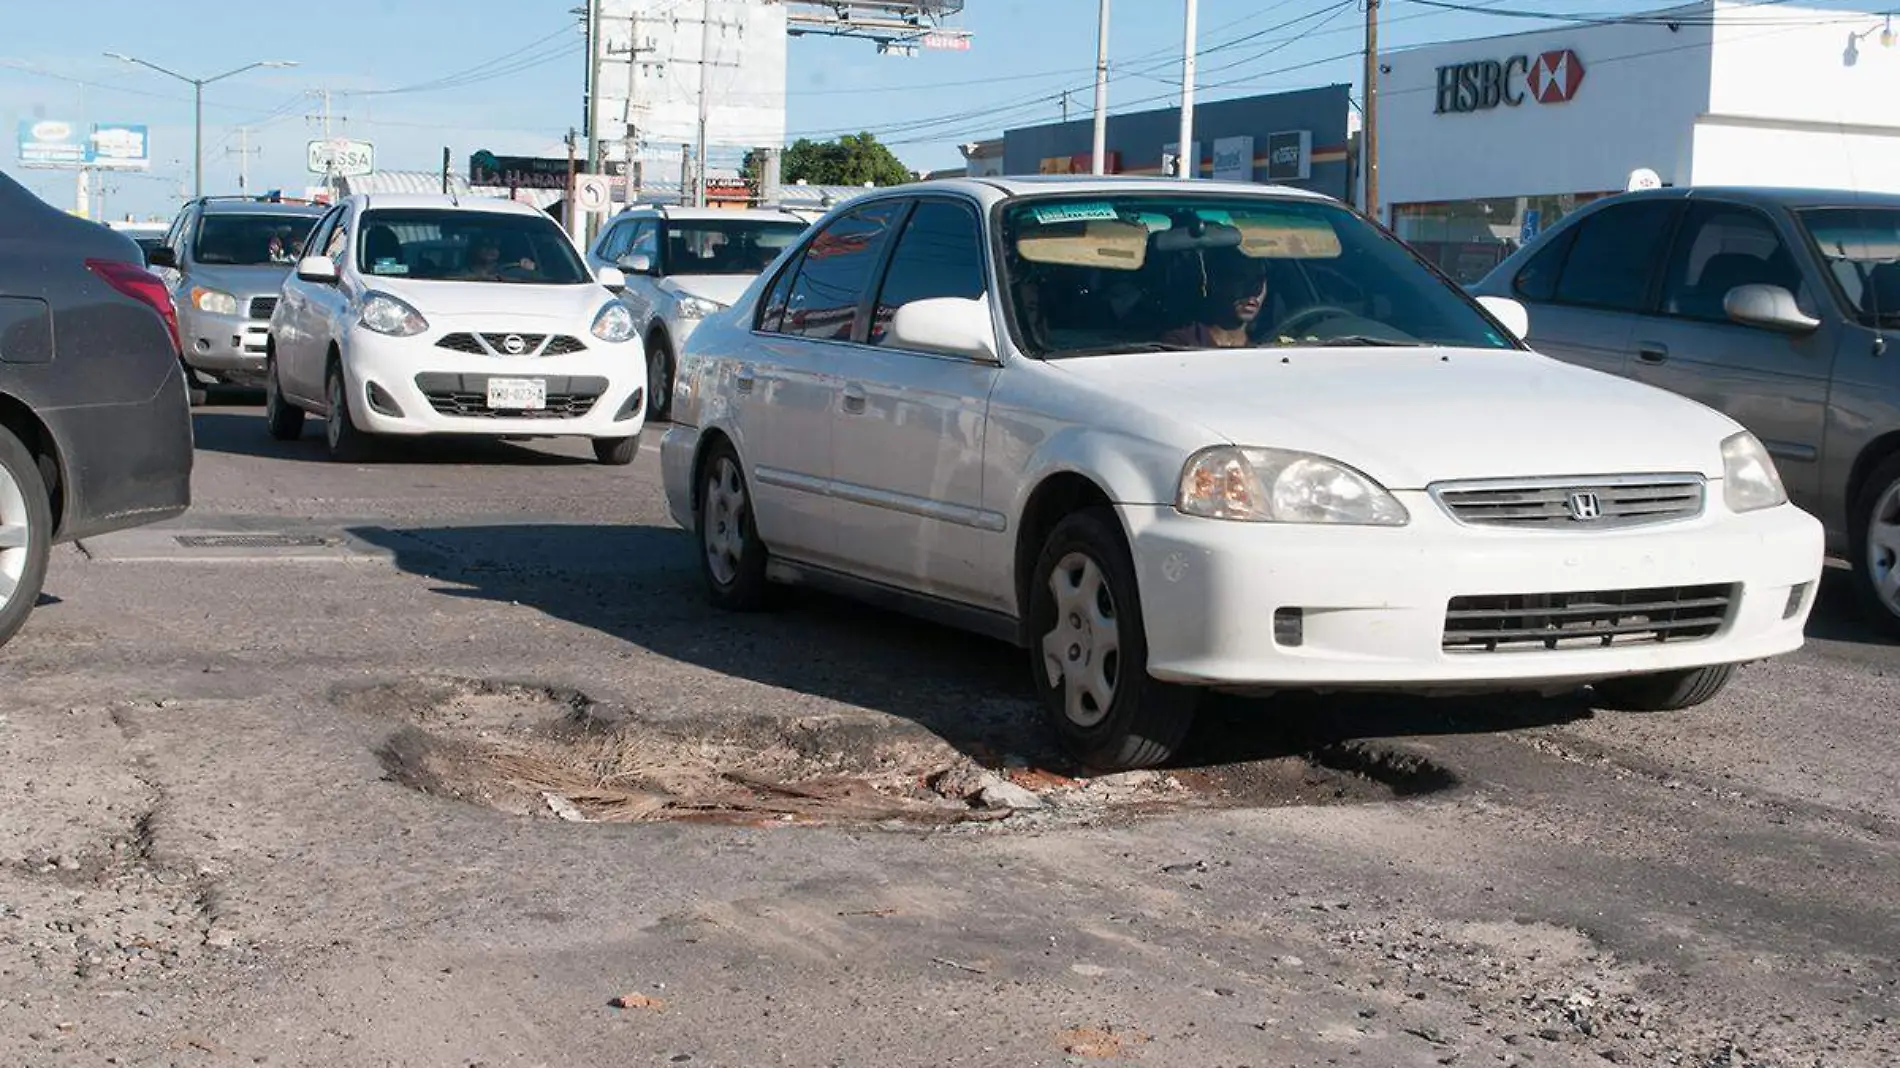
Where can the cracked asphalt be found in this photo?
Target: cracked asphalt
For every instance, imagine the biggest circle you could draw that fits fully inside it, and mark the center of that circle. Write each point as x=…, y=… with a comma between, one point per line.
x=204, y=860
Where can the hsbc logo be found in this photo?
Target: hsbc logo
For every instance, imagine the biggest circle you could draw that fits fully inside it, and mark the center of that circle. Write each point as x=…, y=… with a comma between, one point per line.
x=1548, y=78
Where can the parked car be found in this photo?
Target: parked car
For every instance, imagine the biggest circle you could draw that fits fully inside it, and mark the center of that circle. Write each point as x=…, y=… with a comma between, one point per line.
x=224, y=260
x=683, y=264
x=95, y=430
x=1779, y=307
x=1010, y=404
x=149, y=235
x=415, y=315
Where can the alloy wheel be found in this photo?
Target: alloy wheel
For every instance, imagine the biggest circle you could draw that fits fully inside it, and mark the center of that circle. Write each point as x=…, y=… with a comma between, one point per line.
x=1082, y=651
x=1883, y=548
x=14, y=536
x=725, y=520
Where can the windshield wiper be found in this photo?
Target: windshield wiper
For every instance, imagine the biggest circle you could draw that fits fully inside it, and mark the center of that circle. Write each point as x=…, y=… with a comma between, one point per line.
x=1353, y=341
x=1127, y=346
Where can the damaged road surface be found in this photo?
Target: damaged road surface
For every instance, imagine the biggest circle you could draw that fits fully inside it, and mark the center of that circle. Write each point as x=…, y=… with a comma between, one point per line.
x=480, y=780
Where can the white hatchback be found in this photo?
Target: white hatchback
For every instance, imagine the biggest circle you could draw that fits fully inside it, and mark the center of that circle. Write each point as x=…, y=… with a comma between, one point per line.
x=1175, y=436
x=412, y=315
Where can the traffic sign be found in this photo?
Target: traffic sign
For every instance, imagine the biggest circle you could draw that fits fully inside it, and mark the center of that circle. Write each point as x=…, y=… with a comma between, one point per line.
x=593, y=192
x=342, y=158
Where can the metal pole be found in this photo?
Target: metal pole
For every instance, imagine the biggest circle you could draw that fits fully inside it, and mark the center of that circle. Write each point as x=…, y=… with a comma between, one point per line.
x=198, y=139
x=705, y=104
x=572, y=214
x=593, y=57
x=1369, y=139
x=1101, y=94
x=1190, y=166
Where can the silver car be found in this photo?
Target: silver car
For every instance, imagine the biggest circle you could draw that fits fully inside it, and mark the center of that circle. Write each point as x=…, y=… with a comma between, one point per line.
x=683, y=264
x=1780, y=308
x=224, y=260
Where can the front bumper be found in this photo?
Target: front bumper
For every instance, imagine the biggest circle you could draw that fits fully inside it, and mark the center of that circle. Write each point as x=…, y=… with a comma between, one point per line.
x=411, y=386
x=228, y=346
x=1373, y=601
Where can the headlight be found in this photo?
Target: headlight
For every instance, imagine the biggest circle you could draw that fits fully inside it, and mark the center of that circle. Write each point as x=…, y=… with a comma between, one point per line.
x=1278, y=486
x=214, y=301
x=614, y=323
x=387, y=315
x=1749, y=479
x=698, y=307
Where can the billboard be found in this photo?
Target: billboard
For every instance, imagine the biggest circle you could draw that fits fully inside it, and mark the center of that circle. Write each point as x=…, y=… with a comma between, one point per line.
x=58, y=143
x=120, y=145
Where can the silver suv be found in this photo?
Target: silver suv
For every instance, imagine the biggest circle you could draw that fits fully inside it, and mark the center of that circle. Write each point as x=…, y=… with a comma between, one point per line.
x=224, y=261
x=683, y=264
x=1780, y=308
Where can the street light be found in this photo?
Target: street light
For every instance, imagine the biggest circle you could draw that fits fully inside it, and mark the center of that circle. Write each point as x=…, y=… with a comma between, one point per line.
x=198, y=104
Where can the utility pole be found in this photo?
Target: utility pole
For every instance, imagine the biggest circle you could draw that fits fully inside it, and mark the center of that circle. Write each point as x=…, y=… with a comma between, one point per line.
x=1101, y=93
x=705, y=104
x=1190, y=164
x=571, y=215
x=1369, y=137
x=592, y=85
x=1065, y=105
x=243, y=152
x=326, y=118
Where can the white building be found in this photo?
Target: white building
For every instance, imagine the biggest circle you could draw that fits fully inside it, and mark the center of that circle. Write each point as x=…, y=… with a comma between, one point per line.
x=1483, y=142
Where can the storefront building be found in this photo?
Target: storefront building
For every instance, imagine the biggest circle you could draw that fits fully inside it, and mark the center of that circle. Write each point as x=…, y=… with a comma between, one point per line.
x=1297, y=139
x=1483, y=143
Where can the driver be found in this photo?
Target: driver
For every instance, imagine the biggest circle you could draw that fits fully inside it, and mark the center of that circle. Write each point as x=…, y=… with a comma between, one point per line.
x=1233, y=289
x=484, y=258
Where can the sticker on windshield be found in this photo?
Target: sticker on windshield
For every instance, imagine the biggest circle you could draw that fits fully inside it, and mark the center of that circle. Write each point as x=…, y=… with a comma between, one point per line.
x=1062, y=213
x=387, y=266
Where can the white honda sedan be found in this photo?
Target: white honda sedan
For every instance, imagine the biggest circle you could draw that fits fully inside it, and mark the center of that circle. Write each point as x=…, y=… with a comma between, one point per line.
x=1177, y=436
x=411, y=315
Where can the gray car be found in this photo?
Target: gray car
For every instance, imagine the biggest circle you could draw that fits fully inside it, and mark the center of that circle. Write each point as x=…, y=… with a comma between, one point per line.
x=95, y=432
x=1780, y=308
x=224, y=260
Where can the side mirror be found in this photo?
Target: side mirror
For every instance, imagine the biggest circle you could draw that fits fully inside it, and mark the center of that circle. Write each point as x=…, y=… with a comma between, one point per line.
x=316, y=269
x=611, y=277
x=952, y=326
x=636, y=263
x=1515, y=317
x=1771, y=307
x=162, y=256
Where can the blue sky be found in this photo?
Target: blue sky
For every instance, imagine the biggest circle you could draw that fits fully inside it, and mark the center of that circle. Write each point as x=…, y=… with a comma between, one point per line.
x=1024, y=53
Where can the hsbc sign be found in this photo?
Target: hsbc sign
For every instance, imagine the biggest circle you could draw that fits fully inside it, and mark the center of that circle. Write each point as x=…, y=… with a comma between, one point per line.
x=1547, y=78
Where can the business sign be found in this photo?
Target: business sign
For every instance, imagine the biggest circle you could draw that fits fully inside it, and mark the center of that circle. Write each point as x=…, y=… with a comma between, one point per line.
x=1548, y=78
x=120, y=146
x=1173, y=165
x=1233, y=159
x=950, y=42
x=1290, y=156
x=520, y=172
x=52, y=143
x=340, y=157
x=1533, y=224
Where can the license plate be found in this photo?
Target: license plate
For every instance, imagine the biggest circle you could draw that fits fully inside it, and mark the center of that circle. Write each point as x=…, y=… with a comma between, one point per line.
x=517, y=394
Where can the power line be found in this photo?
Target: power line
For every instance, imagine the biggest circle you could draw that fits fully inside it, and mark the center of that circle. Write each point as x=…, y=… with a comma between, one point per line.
x=486, y=69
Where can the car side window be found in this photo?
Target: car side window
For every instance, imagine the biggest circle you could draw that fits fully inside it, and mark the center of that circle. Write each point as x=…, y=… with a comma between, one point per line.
x=838, y=266
x=1614, y=255
x=319, y=236
x=174, y=238
x=645, y=241
x=1537, y=280
x=772, y=308
x=1720, y=247
x=336, y=250
x=939, y=254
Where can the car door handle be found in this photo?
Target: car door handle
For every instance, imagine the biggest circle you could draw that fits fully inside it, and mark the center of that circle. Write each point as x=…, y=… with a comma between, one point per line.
x=743, y=379
x=1651, y=352
x=854, y=399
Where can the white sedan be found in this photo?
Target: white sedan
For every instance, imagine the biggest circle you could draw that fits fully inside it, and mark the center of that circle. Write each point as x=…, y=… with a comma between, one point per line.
x=1177, y=436
x=411, y=315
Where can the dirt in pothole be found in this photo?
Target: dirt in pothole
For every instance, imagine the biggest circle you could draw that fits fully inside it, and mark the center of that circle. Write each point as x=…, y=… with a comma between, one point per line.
x=556, y=754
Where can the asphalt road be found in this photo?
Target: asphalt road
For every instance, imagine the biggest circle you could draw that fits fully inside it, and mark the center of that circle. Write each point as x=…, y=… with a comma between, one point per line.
x=240, y=824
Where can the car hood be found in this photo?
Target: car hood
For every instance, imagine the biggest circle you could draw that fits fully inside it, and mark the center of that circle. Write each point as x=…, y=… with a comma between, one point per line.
x=242, y=282
x=494, y=302
x=1410, y=417
x=724, y=288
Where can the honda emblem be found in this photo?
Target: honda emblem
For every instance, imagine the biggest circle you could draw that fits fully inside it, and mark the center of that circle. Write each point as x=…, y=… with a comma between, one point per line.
x=1584, y=506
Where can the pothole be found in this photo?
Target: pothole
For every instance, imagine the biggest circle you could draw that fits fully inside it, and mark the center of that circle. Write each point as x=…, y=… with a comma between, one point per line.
x=550, y=753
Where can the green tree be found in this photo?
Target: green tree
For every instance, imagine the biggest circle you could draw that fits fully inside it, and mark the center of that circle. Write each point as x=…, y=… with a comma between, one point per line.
x=853, y=159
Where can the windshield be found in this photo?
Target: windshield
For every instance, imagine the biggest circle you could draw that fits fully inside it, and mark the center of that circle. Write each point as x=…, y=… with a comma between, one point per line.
x=1103, y=274
x=467, y=246
x=251, y=240
x=718, y=246
x=1861, y=247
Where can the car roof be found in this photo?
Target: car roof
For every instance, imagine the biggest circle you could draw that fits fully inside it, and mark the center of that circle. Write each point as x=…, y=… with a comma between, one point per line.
x=1120, y=184
x=670, y=212
x=444, y=202
x=247, y=206
x=1771, y=196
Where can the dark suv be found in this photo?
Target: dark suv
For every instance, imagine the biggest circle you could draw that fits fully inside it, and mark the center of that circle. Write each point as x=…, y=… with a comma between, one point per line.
x=1778, y=307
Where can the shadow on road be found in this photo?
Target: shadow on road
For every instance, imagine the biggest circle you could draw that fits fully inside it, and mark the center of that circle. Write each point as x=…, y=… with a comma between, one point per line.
x=1838, y=616
x=641, y=585
x=241, y=432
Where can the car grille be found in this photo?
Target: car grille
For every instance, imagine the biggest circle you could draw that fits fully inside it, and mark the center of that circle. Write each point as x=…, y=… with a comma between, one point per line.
x=1538, y=622
x=1574, y=503
x=262, y=307
x=466, y=396
x=497, y=344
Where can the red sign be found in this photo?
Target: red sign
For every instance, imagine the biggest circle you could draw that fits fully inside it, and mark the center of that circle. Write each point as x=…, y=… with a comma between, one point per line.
x=1555, y=76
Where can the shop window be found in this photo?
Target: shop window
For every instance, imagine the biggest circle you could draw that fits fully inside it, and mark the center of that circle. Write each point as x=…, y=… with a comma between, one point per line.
x=1615, y=254
x=1720, y=247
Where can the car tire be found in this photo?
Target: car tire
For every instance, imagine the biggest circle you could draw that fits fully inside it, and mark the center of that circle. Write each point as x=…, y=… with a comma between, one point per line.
x=284, y=418
x=731, y=556
x=26, y=534
x=616, y=452
x=1085, y=611
x=1669, y=691
x=346, y=443
x=195, y=391
x=1874, y=530
x=659, y=378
